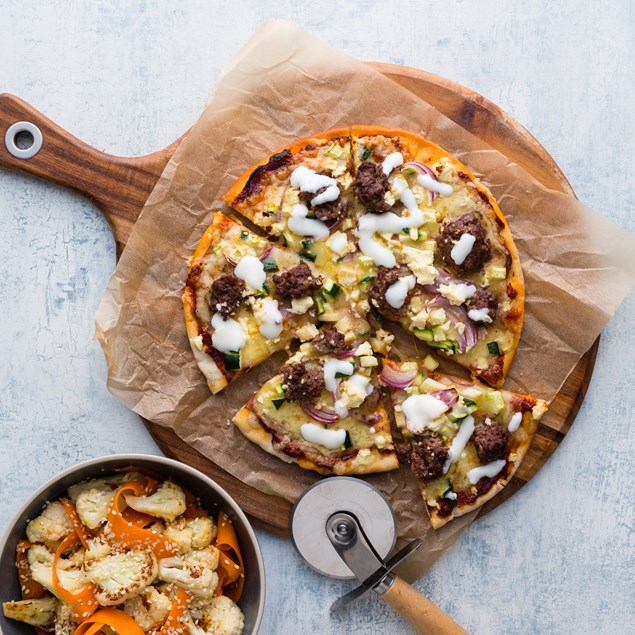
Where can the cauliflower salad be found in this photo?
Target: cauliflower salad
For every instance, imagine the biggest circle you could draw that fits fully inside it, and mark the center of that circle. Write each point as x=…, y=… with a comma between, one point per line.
x=129, y=553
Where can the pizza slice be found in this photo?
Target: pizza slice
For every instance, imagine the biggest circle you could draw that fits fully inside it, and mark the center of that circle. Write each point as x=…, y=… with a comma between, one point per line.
x=244, y=299
x=322, y=410
x=464, y=441
x=438, y=249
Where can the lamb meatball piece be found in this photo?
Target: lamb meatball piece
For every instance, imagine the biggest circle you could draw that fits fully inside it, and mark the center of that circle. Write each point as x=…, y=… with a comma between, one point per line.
x=302, y=382
x=297, y=282
x=450, y=235
x=490, y=441
x=370, y=185
x=226, y=295
x=428, y=457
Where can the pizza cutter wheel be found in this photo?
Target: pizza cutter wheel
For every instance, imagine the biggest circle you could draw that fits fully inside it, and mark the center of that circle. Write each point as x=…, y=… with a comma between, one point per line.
x=345, y=528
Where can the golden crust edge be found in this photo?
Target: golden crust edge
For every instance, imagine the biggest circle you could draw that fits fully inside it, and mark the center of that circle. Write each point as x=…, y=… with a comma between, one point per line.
x=216, y=380
x=248, y=422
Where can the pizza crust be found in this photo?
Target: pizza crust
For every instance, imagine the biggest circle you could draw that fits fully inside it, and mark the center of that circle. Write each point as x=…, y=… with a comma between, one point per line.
x=248, y=422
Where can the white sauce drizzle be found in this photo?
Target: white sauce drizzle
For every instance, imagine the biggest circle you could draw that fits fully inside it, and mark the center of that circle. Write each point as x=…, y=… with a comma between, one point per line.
x=479, y=315
x=251, y=270
x=459, y=442
x=429, y=183
x=515, y=421
x=421, y=410
x=396, y=293
x=450, y=495
x=360, y=382
x=391, y=162
x=330, y=439
x=307, y=180
x=462, y=249
x=489, y=470
x=228, y=334
x=387, y=223
x=271, y=325
x=331, y=368
x=331, y=193
x=299, y=224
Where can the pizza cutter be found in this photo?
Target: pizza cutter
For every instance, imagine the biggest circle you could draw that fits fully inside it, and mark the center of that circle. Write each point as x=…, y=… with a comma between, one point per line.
x=345, y=528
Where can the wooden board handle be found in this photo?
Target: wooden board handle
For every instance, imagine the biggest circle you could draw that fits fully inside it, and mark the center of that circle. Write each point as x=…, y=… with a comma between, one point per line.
x=119, y=186
x=419, y=611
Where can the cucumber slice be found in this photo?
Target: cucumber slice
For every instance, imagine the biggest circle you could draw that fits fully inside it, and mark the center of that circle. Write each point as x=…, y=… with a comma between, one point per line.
x=492, y=347
x=244, y=235
x=331, y=288
x=232, y=360
x=307, y=255
x=424, y=334
x=270, y=264
x=278, y=402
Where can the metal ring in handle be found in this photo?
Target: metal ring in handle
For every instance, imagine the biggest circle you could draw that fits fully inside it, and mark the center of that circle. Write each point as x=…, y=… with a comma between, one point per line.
x=14, y=130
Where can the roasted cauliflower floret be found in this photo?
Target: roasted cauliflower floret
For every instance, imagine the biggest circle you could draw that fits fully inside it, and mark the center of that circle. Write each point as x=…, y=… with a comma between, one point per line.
x=221, y=616
x=97, y=548
x=69, y=571
x=120, y=576
x=64, y=623
x=167, y=502
x=106, y=484
x=149, y=609
x=39, y=612
x=50, y=526
x=195, y=572
x=189, y=534
x=92, y=506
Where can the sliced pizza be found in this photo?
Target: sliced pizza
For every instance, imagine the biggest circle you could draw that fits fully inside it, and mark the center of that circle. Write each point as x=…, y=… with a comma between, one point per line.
x=445, y=264
x=322, y=410
x=464, y=440
x=244, y=299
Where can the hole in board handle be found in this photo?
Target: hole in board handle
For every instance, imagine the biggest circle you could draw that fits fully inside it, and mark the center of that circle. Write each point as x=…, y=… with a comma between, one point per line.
x=23, y=140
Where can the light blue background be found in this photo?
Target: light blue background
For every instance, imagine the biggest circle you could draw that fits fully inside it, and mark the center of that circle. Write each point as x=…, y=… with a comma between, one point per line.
x=130, y=76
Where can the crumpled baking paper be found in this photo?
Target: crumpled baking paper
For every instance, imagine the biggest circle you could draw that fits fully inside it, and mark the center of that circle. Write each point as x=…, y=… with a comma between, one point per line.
x=284, y=85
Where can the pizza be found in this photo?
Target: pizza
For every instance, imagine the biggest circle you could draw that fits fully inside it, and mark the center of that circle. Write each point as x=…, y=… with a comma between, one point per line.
x=355, y=229
x=244, y=299
x=464, y=440
x=323, y=410
x=405, y=229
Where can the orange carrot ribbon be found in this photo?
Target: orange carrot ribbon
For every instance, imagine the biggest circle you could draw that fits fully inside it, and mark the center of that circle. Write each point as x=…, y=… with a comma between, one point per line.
x=119, y=621
x=127, y=533
x=84, y=601
x=231, y=571
x=29, y=587
x=80, y=529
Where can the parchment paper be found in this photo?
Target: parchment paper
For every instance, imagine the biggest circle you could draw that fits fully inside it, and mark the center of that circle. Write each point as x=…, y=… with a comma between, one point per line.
x=285, y=85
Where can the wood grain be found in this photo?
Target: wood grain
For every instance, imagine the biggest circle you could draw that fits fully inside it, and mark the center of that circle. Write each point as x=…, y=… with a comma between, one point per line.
x=120, y=186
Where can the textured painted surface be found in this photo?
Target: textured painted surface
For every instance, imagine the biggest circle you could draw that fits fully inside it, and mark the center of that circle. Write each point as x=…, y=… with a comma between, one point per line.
x=130, y=76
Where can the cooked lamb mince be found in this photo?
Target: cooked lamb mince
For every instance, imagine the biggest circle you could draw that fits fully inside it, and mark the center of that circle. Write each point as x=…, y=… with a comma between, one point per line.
x=428, y=457
x=302, y=382
x=494, y=372
x=386, y=278
x=297, y=282
x=371, y=184
x=226, y=295
x=329, y=340
x=490, y=441
x=451, y=233
x=484, y=299
x=332, y=212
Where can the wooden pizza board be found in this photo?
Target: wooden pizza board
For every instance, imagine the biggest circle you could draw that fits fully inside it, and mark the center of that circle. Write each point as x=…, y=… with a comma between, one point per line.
x=120, y=187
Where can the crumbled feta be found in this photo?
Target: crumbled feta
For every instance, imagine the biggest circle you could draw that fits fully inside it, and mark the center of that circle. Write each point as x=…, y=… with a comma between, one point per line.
x=300, y=306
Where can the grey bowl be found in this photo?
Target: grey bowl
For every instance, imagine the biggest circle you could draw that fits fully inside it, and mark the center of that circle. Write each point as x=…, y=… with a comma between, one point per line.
x=213, y=498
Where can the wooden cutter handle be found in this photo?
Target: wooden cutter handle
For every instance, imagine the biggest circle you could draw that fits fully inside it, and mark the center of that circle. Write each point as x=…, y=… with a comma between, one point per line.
x=419, y=611
x=119, y=186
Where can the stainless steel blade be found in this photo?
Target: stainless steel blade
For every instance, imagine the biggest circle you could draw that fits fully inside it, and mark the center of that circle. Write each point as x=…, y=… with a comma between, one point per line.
x=402, y=554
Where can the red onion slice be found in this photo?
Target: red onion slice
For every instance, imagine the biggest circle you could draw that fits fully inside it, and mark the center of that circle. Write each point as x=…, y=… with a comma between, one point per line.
x=456, y=315
x=449, y=397
x=325, y=415
x=266, y=252
x=394, y=377
x=345, y=354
